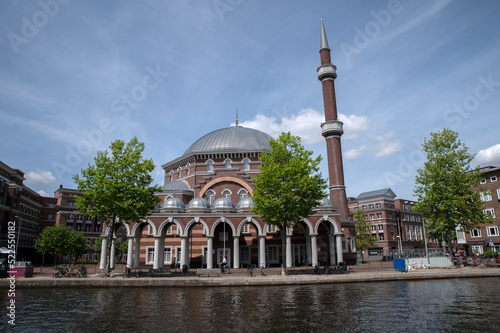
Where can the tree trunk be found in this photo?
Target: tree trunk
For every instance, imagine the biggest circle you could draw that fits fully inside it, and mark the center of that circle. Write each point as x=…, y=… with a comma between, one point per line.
x=110, y=239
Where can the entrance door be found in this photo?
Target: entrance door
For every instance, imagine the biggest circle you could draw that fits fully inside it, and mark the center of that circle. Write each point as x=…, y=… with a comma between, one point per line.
x=303, y=255
x=220, y=253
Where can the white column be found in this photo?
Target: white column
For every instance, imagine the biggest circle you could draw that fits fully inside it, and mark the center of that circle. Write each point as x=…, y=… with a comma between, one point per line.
x=184, y=251
x=288, y=251
x=137, y=249
x=210, y=251
x=156, y=256
x=262, y=251
x=113, y=252
x=104, y=253
x=130, y=252
x=236, y=254
x=314, y=251
x=340, y=257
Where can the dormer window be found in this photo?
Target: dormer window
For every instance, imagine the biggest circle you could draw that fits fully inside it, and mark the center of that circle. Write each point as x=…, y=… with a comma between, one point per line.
x=246, y=164
x=210, y=197
x=227, y=163
x=226, y=193
x=242, y=194
x=210, y=166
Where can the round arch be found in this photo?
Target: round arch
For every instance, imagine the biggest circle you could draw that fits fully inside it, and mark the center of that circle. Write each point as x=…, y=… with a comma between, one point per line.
x=137, y=226
x=127, y=227
x=190, y=224
x=231, y=225
x=225, y=179
x=163, y=225
x=336, y=228
x=248, y=220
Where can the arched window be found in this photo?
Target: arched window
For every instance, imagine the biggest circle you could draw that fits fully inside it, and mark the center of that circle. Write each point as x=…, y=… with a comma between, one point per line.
x=188, y=167
x=242, y=193
x=227, y=163
x=246, y=164
x=210, y=197
x=210, y=165
x=226, y=193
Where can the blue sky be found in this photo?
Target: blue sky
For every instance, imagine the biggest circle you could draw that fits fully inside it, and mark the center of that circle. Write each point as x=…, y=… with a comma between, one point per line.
x=77, y=75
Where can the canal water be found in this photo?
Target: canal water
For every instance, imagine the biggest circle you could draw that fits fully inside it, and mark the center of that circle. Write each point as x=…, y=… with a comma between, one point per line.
x=452, y=305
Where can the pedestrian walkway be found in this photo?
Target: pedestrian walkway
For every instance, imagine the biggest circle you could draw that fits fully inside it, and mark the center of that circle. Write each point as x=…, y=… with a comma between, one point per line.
x=375, y=271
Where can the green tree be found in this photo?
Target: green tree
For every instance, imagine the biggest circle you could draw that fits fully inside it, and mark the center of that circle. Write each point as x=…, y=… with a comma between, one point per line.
x=98, y=245
x=444, y=187
x=53, y=240
x=77, y=245
x=364, y=238
x=289, y=185
x=117, y=188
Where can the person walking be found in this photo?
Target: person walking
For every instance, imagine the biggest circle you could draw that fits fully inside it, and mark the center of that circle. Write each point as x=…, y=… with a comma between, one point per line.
x=223, y=264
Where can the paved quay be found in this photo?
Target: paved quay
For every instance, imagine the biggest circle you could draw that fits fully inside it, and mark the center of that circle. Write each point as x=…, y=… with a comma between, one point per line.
x=238, y=277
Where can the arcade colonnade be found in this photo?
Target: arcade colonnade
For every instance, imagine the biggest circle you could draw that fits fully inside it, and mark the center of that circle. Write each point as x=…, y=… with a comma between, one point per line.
x=134, y=235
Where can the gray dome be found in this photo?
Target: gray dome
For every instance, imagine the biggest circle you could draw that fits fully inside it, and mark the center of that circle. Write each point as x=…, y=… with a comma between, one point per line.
x=223, y=203
x=176, y=185
x=325, y=204
x=245, y=204
x=173, y=204
x=231, y=139
x=198, y=204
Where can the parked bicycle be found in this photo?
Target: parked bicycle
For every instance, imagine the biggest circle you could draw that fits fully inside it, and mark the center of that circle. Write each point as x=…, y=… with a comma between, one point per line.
x=127, y=272
x=250, y=269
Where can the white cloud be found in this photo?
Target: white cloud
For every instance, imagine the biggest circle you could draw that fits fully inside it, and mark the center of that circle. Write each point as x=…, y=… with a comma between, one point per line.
x=387, y=144
x=353, y=154
x=43, y=193
x=40, y=177
x=307, y=124
x=489, y=156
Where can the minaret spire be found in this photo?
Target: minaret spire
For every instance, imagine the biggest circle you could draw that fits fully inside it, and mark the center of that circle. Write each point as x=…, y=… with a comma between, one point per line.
x=332, y=129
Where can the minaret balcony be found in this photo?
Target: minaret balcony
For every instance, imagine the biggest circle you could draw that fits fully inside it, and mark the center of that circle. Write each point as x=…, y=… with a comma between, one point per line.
x=332, y=128
x=328, y=71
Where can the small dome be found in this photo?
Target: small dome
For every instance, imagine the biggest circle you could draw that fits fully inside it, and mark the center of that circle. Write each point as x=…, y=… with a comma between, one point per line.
x=173, y=204
x=325, y=204
x=245, y=204
x=223, y=203
x=176, y=185
x=199, y=204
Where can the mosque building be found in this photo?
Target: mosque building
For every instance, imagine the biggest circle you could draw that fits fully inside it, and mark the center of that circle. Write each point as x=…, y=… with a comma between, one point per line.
x=205, y=208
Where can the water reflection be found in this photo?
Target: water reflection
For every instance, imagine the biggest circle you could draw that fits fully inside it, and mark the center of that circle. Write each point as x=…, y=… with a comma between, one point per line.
x=455, y=305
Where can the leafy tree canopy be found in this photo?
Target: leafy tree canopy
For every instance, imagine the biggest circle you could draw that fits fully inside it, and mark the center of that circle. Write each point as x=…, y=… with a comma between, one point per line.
x=117, y=188
x=364, y=238
x=289, y=185
x=444, y=187
x=58, y=240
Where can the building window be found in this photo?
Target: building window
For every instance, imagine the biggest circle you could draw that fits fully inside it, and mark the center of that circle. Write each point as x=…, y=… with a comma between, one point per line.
x=71, y=204
x=378, y=205
x=412, y=218
x=490, y=211
x=405, y=208
x=188, y=168
x=210, y=197
x=380, y=227
x=226, y=193
x=485, y=196
x=246, y=164
x=242, y=193
x=477, y=249
x=381, y=236
x=475, y=233
x=498, y=194
x=374, y=228
x=353, y=245
x=70, y=216
x=246, y=228
x=227, y=163
x=210, y=165
x=379, y=215
x=493, y=178
x=167, y=255
x=245, y=254
x=150, y=255
x=370, y=206
x=70, y=226
x=271, y=228
x=364, y=207
x=492, y=231
x=272, y=254
x=483, y=181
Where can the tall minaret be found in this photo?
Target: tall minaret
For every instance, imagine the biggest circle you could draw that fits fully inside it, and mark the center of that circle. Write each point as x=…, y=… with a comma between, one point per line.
x=332, y=129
